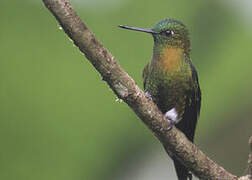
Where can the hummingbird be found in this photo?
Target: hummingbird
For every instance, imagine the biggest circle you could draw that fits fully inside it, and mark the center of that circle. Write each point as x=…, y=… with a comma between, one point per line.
x=171, y=80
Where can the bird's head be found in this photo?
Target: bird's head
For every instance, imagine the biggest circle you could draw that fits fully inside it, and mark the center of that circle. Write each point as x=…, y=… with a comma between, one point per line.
x=168, y=33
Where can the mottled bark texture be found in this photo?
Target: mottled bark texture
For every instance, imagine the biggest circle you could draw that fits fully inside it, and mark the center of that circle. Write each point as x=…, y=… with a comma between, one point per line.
x=126, y=89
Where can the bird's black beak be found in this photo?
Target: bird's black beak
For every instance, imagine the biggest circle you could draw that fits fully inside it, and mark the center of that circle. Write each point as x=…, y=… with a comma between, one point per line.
x=137, y=29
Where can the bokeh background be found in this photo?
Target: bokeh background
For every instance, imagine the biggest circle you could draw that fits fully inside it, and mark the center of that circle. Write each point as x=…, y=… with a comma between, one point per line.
x=60, y=121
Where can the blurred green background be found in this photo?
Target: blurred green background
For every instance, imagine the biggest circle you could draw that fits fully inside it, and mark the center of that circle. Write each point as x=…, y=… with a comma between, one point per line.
x=60, y=121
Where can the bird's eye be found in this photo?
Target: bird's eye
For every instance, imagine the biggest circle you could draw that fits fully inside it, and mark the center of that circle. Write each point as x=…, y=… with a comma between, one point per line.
x=169, y=33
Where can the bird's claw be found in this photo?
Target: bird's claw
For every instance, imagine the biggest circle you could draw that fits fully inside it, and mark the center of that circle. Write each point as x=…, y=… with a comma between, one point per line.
x=171, y=124
x=148, y=95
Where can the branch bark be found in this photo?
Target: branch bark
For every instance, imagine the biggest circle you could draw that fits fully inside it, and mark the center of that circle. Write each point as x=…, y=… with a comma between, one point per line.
x=127, y=90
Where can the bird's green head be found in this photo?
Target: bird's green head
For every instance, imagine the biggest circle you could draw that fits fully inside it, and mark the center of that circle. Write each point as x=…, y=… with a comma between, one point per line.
x=168, y=33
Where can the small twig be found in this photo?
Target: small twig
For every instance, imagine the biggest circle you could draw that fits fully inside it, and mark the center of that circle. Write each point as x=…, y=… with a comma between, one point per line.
x=126, y=89
x=249, y=169
x=250, y=158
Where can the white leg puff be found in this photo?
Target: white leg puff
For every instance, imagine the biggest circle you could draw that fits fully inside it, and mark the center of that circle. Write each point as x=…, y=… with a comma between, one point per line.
x=172, y=114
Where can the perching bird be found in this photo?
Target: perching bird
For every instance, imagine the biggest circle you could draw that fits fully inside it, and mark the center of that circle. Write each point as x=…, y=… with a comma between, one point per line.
x=171, y=80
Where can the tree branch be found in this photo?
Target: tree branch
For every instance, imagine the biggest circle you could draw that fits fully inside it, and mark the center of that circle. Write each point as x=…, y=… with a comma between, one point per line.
x=127, y=90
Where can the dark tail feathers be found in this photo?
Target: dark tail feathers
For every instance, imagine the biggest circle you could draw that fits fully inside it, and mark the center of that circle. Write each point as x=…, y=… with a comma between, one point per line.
x=182, y=172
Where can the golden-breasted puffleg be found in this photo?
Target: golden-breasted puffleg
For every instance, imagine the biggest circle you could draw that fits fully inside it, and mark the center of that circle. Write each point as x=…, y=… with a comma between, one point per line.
x=171, y=80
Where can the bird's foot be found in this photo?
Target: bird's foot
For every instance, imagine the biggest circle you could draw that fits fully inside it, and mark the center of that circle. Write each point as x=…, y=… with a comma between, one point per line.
x=190, y=176
x=148, y=95
x=172, y=115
